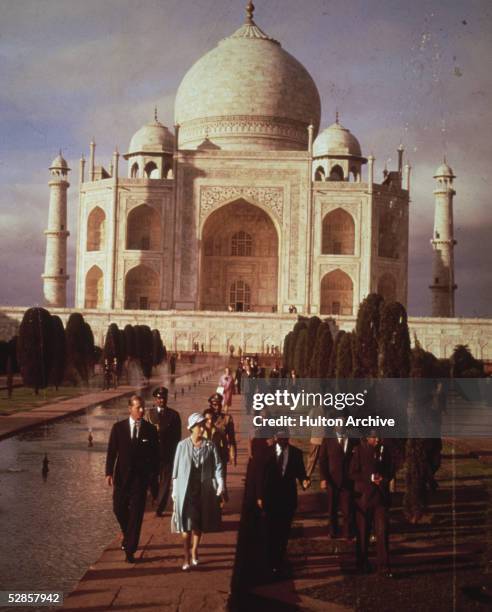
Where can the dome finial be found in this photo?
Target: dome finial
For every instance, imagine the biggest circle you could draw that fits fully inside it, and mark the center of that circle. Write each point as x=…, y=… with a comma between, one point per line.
x=250, y=9
x=337, y=117
x=155, y=113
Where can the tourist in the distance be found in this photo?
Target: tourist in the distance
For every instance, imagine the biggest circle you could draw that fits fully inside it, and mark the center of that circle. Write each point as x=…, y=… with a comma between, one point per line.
x=227, y=383
x=197, y=487
x=132, y=464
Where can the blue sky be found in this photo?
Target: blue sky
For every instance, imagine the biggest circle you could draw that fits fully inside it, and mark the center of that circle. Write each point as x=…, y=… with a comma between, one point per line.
x=416, y=72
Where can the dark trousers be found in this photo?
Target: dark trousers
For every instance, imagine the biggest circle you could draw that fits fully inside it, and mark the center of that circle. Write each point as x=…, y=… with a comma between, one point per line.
x=365, y=519
x=278, y=523
x=129, y=506
x=340, y=500
x=165, y=473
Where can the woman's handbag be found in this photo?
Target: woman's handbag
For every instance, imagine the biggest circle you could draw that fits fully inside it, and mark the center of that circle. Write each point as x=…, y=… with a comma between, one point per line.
x=220, y=390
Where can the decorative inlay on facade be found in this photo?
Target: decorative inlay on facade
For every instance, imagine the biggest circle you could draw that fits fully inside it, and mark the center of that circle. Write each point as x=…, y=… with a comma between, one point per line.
x=271, y=198
x=242, y=124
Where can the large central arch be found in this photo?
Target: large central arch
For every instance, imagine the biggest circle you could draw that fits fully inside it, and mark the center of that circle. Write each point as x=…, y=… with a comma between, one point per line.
x=239, y=259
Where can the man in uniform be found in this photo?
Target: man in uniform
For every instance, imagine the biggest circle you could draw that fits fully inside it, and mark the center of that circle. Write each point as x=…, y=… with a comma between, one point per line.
x=168, y=423
x=132, y=463
x=371, y=470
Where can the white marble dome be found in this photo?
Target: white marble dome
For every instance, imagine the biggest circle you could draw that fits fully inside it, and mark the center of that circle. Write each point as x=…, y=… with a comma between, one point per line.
x=59, y=163
x=444, y=170
x=337, y=141
x=152, y=138
x=247, y=93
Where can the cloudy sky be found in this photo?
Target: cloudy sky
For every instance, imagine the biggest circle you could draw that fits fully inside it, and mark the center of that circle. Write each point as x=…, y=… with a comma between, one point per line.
x=416, y=72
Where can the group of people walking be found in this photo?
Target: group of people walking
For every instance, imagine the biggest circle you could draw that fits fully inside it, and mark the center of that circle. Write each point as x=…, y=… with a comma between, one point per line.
x=146, y=452
x=355, y=475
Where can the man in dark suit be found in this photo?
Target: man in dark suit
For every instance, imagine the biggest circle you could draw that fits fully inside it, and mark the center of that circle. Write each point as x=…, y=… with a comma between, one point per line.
x=335, y=455
x=168, y=424
x=278, y=495
x=132, y=462
x=371, y=470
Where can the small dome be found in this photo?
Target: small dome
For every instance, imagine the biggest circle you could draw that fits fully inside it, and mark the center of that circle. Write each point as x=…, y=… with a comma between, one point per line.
x=444, y=170
x=152, y=138
x=59, y=163
x=337, y=141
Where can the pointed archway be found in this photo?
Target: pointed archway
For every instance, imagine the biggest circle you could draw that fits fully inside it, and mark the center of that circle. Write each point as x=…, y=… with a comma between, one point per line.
x=239, y=259
x=337, y=293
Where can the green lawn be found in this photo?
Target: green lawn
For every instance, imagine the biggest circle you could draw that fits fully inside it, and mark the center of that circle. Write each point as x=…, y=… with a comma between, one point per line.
x=25, y=399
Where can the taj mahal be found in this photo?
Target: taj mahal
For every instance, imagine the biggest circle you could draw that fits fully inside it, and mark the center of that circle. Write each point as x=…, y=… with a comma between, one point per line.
x=247, y=211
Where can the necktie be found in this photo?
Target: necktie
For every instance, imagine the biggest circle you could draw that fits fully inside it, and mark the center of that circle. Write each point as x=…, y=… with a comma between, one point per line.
x=135, y=431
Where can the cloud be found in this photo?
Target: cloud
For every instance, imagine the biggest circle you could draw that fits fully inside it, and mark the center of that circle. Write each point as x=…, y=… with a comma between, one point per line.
x=398, y=72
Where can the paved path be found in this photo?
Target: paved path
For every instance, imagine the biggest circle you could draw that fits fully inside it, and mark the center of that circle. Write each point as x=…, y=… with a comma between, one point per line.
x=157, y=582
x=14, y=423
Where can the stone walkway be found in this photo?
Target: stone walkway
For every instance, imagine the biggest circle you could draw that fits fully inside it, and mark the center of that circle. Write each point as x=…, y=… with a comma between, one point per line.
x=157, y=582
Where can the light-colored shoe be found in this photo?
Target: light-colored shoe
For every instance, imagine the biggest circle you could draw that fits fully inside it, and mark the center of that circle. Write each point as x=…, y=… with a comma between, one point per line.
x=194, y=562
x=185, y=567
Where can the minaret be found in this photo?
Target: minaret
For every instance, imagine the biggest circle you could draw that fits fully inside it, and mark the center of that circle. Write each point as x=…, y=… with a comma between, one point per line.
x=443, y=287
x=55, y=269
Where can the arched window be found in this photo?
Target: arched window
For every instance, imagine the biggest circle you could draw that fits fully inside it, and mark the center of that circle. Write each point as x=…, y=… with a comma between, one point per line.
x=143, y=229
x=336, y=173
x=134, y=171
x=151, y=170
x=240, y=296
x=319, y=175
x=337, y=294
x=338, y=236
x=94, y=288
x=96, y=225
x=242, y=244
x=387, y=287
x=142, y=289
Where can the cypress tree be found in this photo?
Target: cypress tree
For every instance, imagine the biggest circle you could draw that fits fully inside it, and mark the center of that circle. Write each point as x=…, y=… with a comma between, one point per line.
x=59, y=351
x=344, y=358
x=300, y=355
x=313, y=326
x=90, y=347
x=131, y=350
x=367, y=337
x=76, y=345
x=415, y=497
x=300, y=326
x=332, y=366
x=4, y=355
x=35, y=348
x=112, y=346
x=13, y=354
x=157, y=348
x=143, y=342
x=394, y=342
x=286, y=351
x=464, y=364
x=320, y=361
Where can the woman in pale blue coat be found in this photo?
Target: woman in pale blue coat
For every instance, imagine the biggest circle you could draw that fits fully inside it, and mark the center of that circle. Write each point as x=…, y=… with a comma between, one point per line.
x=198, y=484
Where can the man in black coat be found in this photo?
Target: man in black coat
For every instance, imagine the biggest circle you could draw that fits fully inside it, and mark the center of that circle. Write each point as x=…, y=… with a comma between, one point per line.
x=132, y=463
x=335, y=455
x=371, y=470
x=168, y=424
x=282, y=469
